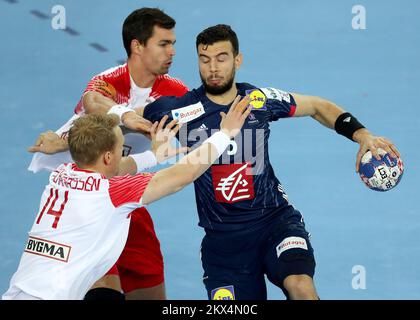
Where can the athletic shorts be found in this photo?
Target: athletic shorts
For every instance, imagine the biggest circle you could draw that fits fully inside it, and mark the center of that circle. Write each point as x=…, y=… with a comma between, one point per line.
x=235, y=263
x=141, y=263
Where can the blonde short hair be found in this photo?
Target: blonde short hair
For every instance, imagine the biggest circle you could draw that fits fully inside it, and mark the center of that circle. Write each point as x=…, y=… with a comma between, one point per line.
x=90, y=136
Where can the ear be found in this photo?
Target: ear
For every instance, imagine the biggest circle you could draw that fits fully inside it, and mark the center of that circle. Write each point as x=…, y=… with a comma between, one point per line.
x=238, y=61
x=107, y=157
x=136, y=46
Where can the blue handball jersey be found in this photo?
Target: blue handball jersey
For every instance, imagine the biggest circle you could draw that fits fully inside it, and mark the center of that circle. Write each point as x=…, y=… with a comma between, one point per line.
x=240, y=190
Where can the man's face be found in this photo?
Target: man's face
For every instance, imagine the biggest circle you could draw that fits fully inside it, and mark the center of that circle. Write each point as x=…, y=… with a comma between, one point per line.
x=159, y=51
x=218, y=65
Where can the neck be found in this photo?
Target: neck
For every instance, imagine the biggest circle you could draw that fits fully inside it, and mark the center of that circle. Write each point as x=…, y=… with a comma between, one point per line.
x=99, y=169
x=140, y=75
x=224, y=98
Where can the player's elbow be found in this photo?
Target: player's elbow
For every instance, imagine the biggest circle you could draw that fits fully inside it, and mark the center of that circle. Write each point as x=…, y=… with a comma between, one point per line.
x=318, y=105
x=323, y=108
x=323, y=105
x=90, y=101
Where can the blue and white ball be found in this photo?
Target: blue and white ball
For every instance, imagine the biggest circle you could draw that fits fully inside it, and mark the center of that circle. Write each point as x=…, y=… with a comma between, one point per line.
x=383, y=174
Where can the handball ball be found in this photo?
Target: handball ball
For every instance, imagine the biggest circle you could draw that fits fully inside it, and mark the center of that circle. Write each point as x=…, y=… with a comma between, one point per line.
x=383, y=174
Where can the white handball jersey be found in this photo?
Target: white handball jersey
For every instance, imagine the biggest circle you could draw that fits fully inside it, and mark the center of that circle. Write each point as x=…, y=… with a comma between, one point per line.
x=79, y=232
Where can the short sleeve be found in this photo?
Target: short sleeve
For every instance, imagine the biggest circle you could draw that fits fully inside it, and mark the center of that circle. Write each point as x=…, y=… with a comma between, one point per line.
x=280, y=104
x=128, y=189
x=101, y=85
x=113, y=83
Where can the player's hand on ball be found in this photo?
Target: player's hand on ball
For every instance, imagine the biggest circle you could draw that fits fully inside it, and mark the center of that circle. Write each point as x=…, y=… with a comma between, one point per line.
x=369, y=142
x=133, y=121
x=49, y=142
x=162, y=136
x=233, y=121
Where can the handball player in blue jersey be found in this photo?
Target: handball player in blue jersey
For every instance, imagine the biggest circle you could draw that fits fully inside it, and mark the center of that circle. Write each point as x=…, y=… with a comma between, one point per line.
x=251, y=229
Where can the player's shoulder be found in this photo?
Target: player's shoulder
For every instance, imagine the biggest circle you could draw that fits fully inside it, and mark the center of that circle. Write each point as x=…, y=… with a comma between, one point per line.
x=165, y=104
x=114, y=72
x=120, y=185
x=143, y=176
x=245, y=87
x=270, y=94
x=170, y=80
x=166, y=85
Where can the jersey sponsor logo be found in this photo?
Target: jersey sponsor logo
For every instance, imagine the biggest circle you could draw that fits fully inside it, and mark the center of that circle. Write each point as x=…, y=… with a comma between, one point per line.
x=48, y=249
x=273, y=93
x=257, y=99
x=104, y=88
x=231, y=182
x=223, y=293
x=291, y=243
x=188, y=113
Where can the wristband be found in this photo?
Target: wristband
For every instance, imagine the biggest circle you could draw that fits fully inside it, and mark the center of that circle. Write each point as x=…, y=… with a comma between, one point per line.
x=220, y=140
x=346, y=124
x=119, y=110
x=144, y=160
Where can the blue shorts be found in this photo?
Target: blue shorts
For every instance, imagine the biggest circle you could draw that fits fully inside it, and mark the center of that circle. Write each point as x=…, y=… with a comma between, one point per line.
x=235, y=263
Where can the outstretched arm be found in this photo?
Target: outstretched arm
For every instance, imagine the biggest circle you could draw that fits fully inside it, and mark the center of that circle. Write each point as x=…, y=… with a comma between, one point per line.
x=334, y=117
x=93, y=102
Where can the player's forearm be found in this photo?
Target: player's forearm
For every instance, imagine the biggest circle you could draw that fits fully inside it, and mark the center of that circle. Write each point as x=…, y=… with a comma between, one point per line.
x=326, y=112
x=136, y=163
x=330, y=115
x=94, y=102
x=197, y=162
x=344, y=123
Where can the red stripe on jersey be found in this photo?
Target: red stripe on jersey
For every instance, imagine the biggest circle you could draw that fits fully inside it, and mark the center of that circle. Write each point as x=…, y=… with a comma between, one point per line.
x=128, y=189
x=167, y=86
x=292, y=111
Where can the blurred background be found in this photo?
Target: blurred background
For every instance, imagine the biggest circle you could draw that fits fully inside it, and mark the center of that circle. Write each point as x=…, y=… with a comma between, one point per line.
x=310, y=47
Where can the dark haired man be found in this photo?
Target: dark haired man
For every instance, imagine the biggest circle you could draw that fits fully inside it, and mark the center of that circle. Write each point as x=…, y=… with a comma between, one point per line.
x=251, y=228
x=149, y=38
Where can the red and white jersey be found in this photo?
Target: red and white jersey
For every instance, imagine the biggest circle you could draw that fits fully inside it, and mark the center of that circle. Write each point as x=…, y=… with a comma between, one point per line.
x=116, y=84
x=79, y=233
